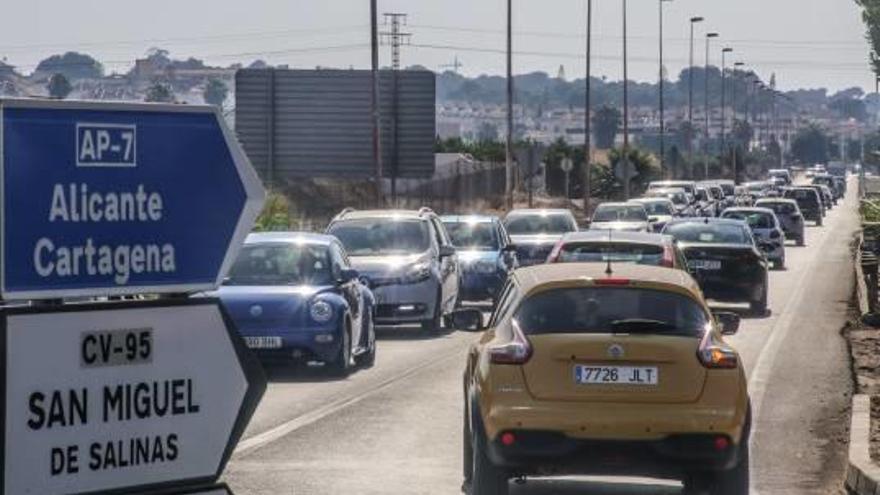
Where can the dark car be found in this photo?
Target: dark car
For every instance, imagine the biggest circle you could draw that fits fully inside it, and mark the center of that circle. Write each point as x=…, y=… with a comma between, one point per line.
x=724, y=258
x=295, y=298
x=824, y=194
x=603, y=246
x=535, y=231
x=486, y=254
x=828, y=180
x=808, y=201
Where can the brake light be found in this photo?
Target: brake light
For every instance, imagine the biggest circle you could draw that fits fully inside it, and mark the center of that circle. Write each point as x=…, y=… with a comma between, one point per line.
x=517, y=351
x=554, y=254
x=614, y=281
x=668, y=257
x=716, y=355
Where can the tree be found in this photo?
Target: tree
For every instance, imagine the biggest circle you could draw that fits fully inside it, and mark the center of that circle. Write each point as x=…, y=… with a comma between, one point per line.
x=606, y=123
x=73, y=65
x=871, y=18
x=850, y=108
x=58, y=86
x=275, y=215
x=160, y=93
x=647, y=169
x=215, y=92
x=810, y=145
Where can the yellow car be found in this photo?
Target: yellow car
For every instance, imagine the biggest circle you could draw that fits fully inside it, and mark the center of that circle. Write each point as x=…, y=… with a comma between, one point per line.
x=588, y=369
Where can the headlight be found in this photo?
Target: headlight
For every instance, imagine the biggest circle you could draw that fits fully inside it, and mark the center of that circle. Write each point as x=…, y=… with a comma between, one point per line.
x=321, y=311
x=418, y=272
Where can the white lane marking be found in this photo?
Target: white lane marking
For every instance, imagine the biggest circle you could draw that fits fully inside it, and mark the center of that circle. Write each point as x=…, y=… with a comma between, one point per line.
x=322, y=412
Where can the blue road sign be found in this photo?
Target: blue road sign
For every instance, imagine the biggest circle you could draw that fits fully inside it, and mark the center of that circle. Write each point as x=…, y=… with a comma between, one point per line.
x=112, y=198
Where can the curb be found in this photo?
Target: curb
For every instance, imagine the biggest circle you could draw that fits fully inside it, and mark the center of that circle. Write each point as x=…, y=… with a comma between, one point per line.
x=862, y=475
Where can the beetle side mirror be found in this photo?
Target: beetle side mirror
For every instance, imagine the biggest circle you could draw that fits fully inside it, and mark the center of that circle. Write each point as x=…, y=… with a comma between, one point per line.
x=468, y=319
x=728, y=321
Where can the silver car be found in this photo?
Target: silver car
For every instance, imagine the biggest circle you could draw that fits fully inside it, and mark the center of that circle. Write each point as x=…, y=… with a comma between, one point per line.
x=534, y=232
x=627, y=217
x=408, y=261
x=766, y=230
x=789, y=215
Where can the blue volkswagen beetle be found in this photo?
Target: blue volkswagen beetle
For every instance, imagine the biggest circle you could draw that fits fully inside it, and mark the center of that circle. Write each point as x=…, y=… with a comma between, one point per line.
x=485, y=254
x=295, y=298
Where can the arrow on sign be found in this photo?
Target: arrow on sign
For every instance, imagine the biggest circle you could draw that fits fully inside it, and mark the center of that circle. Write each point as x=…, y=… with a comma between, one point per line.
x=119, y=198
x=128, y=397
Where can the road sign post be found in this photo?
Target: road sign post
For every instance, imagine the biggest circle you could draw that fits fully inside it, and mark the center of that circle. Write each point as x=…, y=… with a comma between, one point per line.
x=112, y=199
x=123, y=397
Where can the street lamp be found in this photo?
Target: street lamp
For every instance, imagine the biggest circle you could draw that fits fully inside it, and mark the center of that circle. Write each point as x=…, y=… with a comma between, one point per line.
x=694, y=20
x=735, y=144
x=709, y=37
x=662, y=117
x=724, y=53
x=625, y=156
x=587, y=173
x=736, y=66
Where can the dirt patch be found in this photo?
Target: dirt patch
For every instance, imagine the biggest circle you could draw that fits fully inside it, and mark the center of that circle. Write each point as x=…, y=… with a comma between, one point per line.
x=864, y=341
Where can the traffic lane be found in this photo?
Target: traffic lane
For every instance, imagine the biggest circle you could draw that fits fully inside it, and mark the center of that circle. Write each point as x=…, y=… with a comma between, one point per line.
x=296, y=391
x=403, y=439
x=803, y=382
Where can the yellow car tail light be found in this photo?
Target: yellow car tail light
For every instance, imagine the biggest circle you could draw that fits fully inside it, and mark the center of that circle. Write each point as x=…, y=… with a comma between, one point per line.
x=716, y=355
x=516, y=351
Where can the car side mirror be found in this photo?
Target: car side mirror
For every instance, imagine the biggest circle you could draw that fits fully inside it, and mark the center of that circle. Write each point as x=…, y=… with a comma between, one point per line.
x=347, y=275
x=468, y=319
x=447, y=251
x=728, y=321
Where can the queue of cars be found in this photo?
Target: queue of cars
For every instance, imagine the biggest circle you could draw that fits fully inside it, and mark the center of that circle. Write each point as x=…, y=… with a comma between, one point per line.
x=602, y=354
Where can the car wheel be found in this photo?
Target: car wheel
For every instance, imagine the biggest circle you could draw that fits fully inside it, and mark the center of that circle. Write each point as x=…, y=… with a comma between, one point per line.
x=486, y=477
x=779, y=264
x=759, y=307
x=435, y=323
x=800, y=241
x=341, y=366
x=819, y=222
x=467, y=452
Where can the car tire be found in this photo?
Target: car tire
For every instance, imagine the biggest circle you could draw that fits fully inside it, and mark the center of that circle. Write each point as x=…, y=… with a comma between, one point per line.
x=779, y=264
x=819, y=222
x=434, y=324
x=341, y=366
x=486, y=477
x=800, y=241
x=759, y=307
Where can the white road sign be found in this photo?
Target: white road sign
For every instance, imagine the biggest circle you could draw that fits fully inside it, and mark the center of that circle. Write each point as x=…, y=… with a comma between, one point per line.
x=119, y=395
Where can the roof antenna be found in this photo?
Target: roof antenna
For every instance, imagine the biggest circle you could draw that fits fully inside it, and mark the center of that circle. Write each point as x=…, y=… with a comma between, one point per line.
x=608, y=270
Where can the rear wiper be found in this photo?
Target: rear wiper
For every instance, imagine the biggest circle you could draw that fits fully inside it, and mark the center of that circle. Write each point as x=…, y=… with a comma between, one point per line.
x=637, y=325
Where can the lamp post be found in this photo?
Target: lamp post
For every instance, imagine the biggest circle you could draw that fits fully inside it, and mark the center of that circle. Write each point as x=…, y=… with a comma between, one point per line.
x=724, y=53
x=587, y=173
x=709, y=37
x=694, y=20
x=625, y=155
x=735, y=144
x=508, y=149
x=662, y=116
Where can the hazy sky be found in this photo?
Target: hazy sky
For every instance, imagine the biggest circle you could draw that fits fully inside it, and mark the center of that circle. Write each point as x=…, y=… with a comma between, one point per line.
x=808, y=43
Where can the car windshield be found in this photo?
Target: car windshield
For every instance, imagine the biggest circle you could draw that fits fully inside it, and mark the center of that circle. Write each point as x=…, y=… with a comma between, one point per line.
x=755, y=219
x=601, y=310
x=281, y=264
x=657, y=208
x=480, y=236
x=778, y=207
x=536, y=223
x=708, y=233
x=382, y=236
x=643, y=254
x=803, y=196
x=729, y=189
x=620, y=213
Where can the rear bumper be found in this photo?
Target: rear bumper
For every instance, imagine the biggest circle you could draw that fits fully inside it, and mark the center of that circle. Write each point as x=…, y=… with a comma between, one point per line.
x=731, y=290
x=550, y=453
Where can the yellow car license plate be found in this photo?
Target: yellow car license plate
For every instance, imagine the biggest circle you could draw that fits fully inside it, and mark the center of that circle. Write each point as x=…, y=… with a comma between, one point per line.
x=616, y=375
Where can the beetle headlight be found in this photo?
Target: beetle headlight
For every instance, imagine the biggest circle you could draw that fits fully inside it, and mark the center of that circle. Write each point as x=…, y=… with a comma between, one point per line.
x=321, y=311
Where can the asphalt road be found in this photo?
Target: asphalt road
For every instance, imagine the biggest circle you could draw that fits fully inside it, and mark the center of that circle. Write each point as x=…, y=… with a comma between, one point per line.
x=396, y=428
